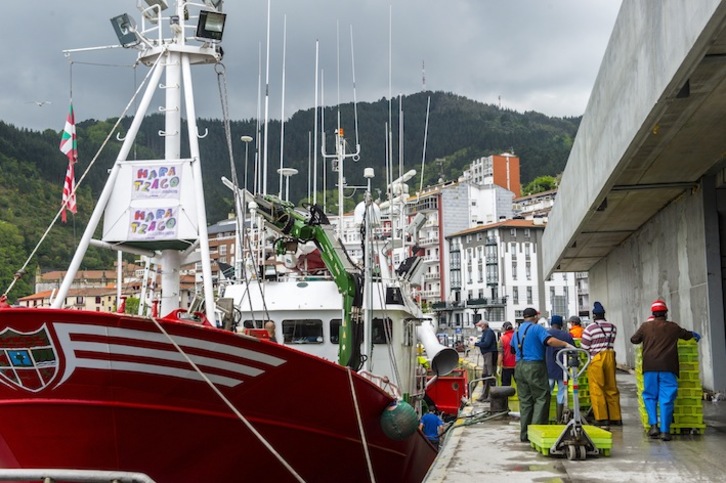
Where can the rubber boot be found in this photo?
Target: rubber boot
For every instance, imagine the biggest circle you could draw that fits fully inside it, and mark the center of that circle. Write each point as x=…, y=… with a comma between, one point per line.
x=560, y=410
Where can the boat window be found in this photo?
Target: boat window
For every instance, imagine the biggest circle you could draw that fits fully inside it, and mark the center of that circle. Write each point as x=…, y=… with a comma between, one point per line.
x=335, y=330
x=252, y=324
x=302, y=331
x=382, y=331
x=379, y=327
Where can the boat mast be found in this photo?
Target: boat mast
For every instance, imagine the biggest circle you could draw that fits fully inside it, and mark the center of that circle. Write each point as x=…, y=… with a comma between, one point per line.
x=173, y=57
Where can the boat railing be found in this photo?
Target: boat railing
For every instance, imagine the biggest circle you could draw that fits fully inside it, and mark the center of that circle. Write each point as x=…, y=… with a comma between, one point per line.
x=76, y=476
x=383, y=382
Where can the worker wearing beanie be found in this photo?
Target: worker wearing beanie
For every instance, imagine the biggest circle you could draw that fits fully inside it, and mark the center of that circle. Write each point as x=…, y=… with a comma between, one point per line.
x=660, y=366
x=598, y=339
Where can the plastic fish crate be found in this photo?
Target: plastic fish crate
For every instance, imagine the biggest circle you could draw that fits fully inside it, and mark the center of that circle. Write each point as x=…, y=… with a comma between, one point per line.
x=688, y=357
x=689, y=420
x=689, y=393
x=542, y=437
x=689, y=375
x=690, y=405
x=678, y=428
x=689, y=384
x=689, y=366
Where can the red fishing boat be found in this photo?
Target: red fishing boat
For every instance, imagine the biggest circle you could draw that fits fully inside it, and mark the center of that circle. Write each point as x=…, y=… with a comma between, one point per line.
x=175, y=397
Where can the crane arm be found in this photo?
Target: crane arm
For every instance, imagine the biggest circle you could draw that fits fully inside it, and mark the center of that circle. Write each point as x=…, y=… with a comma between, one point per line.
x=283, y=218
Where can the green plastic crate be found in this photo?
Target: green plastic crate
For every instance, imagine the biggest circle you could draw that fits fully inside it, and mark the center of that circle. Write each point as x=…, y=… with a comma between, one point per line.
x=542, y=437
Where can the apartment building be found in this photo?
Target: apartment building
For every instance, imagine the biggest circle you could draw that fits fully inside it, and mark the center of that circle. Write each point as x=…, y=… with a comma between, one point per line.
x=496, y=272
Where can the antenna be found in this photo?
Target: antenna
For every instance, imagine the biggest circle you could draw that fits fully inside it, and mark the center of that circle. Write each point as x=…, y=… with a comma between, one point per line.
x=389, y=130
x=355, y=98
x=267, y=104
x=426, y=136
x=282, y=108
x=423, y=75
x=315, y=136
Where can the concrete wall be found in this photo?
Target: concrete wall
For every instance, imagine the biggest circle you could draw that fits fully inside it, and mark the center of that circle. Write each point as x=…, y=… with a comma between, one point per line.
x=668, y=258
x=650, y=50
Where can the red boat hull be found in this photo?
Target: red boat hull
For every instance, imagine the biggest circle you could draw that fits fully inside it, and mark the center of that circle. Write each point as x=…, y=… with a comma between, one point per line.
x=86, y=390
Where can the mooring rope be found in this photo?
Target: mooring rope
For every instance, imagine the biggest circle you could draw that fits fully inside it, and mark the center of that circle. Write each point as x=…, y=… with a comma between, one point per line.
x=229, y=404
x=360, y=426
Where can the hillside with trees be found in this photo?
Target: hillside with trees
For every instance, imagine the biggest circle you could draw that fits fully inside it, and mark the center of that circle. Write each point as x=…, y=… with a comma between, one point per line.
x=32, y=168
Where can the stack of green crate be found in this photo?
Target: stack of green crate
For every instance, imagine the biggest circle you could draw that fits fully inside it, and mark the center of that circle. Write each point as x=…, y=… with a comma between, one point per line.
x=688, y=410
x=583, y=393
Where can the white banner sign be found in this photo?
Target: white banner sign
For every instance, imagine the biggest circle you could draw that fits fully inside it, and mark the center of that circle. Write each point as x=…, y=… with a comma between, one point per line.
x=156, y=182
x=153, y=223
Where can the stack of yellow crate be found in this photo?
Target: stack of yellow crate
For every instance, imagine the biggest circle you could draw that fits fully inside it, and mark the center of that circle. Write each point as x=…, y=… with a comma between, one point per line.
x=688, y=411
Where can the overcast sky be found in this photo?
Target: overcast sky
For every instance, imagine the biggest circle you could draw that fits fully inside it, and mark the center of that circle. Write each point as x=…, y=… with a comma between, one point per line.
x=540, y=55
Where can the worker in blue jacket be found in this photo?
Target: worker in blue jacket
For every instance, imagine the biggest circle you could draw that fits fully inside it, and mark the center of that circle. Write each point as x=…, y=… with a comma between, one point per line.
x=533, y=389
x=489, y=351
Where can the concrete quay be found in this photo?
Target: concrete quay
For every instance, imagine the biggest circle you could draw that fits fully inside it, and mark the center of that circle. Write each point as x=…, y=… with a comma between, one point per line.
x=491, y=450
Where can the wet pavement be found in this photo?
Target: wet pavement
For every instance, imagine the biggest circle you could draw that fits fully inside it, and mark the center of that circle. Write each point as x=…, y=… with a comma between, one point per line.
x=490, y=450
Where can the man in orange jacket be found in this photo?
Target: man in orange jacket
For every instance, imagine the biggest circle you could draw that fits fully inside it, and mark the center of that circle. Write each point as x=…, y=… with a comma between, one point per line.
x=575, y=327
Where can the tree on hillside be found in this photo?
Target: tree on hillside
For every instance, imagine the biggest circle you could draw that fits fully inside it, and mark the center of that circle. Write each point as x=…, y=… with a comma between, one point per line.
x=12, y=257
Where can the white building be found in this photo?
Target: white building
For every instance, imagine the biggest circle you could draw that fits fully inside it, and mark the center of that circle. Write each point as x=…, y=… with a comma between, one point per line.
x=496, y=272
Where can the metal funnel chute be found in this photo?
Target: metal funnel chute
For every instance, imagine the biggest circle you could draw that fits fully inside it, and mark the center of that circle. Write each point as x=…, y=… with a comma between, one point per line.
x=443, y=359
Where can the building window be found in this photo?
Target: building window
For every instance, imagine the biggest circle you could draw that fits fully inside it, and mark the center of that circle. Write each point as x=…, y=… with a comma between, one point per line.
x=528, y=270
x=98, y=299
x=492, y=274
x=529, y=295
x=526, y=232
x=514, y=269
x=222, y=249
x=513, y=232
x=515, y=295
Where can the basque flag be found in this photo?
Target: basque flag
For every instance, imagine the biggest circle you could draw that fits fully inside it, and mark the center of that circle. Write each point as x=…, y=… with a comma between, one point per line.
x=69, y=147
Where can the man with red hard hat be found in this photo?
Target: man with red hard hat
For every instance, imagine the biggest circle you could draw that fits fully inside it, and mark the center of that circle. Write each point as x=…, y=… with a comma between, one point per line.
x=660, y=366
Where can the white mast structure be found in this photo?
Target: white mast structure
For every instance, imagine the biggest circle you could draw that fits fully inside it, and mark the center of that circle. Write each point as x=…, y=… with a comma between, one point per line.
x=133, y=220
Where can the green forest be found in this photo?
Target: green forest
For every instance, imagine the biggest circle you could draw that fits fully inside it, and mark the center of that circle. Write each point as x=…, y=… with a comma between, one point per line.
x=460, y=130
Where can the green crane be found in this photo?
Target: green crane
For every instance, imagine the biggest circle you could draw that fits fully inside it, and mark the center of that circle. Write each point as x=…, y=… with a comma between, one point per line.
x=299, y=227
